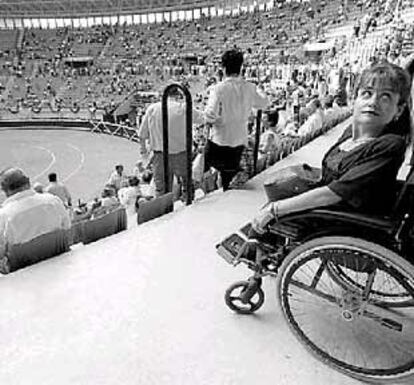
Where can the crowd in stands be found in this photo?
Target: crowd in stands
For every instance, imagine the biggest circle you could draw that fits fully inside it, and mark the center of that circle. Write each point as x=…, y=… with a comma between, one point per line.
x=120, y=190
x=87, y=72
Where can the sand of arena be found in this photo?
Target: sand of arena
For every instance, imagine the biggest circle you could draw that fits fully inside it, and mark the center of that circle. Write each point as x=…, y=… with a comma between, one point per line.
x=82, y=160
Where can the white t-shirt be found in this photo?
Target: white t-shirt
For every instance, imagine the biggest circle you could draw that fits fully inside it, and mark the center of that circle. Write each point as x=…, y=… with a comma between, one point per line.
x=228, y=108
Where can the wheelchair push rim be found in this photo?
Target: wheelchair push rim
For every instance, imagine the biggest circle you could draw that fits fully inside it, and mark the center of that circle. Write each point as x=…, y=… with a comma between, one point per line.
x=347, y=327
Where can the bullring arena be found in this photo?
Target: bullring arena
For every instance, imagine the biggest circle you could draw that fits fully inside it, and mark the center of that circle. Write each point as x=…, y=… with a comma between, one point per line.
x=153, y=297
x=83, y=160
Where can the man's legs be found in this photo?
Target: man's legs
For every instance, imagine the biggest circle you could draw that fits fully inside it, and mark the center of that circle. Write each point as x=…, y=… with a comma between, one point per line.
x=178, y=165
x=158, y=169
x=225, y=159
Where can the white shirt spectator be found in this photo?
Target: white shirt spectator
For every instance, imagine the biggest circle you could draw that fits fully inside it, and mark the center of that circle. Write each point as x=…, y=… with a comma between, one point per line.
x=27, y=215
x=268, y=141
x=151, y=126
x=59, y=190
x=283, y=120
x=148, y=189
x=332, y=113
x=128, y=196
x=229, y=107
x=109, y=202
x=312, y=124
x=334, y=81
x=116, y=180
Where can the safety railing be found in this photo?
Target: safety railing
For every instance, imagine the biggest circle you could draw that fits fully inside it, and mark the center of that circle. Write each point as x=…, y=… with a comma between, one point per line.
x=189, y=137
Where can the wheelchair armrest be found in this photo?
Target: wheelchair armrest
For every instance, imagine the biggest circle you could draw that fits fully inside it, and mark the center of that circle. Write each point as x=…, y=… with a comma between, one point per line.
x=296, y=225
x=366, y=220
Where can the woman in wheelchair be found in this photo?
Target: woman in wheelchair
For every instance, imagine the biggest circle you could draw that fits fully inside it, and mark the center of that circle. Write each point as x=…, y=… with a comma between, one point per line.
x=359, y=172
x=347, y=297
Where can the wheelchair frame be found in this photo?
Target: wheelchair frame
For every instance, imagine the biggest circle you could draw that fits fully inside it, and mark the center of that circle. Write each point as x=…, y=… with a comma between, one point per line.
x=367, y=259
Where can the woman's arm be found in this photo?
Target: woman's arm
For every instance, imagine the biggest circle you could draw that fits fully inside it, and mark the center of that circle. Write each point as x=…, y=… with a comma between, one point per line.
x=318, y=197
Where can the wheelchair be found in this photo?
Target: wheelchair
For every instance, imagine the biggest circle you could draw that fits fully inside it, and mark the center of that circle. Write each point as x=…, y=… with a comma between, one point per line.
x=344, y=283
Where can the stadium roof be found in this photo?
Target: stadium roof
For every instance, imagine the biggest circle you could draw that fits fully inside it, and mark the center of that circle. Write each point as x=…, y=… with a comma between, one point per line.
x=72, y=8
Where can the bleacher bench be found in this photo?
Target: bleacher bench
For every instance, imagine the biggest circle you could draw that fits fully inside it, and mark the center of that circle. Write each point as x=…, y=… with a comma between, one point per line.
x=36, y=250
x=155, y=208
x=103, y=226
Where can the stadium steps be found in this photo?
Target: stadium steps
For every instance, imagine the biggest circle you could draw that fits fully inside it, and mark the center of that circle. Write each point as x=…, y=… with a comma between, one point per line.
x=20, y=39
x=9, y=86
x=101, y=56
x=408, y=15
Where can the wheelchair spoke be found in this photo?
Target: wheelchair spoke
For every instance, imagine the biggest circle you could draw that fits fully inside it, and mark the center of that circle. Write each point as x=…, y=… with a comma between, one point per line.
x=318, y=274
x=311, y=290
x=312, y=276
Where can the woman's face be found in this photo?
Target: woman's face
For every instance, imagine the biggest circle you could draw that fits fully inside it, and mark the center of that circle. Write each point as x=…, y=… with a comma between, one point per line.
x=375, y=106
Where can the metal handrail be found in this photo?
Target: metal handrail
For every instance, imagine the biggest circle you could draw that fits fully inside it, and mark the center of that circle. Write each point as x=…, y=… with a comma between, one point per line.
x=257, y=140
x=189, y=137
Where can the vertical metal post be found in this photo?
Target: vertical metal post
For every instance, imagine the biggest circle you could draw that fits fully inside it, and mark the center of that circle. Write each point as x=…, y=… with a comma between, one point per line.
x=257, y=141
x=189, y=137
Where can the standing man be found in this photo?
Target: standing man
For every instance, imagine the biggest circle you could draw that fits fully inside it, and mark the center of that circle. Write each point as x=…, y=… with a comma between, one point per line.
x=117, y=177
x=151, y=131
x=58, y=189
x=228, y=108
x=26, y=214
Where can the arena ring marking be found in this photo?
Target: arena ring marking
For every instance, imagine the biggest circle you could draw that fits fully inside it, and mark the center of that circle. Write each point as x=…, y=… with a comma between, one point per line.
x=82, y=161
x=52, y=162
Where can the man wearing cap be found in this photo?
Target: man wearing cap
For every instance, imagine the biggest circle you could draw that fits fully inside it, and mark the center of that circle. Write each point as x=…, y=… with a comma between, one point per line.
x=25, y=214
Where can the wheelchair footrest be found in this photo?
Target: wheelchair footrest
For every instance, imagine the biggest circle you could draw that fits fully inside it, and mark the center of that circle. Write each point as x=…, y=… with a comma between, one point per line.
x=231, y=247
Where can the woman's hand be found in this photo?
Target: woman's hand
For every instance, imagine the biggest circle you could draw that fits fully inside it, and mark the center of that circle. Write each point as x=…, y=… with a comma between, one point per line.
x=262, y=219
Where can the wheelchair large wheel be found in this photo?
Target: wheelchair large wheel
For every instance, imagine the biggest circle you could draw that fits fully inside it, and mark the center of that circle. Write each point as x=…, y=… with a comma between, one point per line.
x=344, y=326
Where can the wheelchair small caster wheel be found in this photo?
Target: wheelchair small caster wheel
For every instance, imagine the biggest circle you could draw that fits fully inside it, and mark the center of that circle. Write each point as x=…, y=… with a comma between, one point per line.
x=244, y=297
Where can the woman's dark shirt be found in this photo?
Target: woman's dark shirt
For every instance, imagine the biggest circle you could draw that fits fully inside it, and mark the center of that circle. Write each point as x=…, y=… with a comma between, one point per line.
x=365, y=177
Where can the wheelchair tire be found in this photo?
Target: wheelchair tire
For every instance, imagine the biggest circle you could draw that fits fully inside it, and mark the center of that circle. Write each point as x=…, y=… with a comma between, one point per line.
x=347, y=329
x=233, y=301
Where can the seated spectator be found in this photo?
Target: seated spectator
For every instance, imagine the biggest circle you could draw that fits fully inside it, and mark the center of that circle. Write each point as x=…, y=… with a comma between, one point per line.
x=336, y=105
x=38, y=187
x=108, y=198
x=147, y=185
x=129, y=195
x=26, y=214
x=291, y=128
x=283, y=120
x=106, y=204
x=331, y=113
x=315, y=120
x=268, y=146
x=138, y=169
x=58, y=189
x=117, y=177
x=81, y=212
x=270, y=119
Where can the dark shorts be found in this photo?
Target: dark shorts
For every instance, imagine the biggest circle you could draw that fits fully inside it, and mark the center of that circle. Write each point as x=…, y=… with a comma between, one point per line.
x=222, y=158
